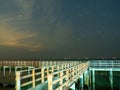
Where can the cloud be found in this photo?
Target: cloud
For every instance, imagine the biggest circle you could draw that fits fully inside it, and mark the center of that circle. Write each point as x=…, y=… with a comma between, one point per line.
x=45, y=32
x=53, y=32
x=25, y=7
x=14, y=37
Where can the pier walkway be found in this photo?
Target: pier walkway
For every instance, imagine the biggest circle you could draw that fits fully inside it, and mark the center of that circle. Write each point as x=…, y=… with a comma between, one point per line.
x=36, y=75
x=55, y=75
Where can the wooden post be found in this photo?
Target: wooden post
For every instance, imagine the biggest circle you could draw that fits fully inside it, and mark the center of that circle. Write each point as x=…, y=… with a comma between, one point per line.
x=47, y=71
x=50, y=82
x=61, y=67
x=42, y=74
x=73, y=73
x=33, y=77
x=67, y=78
x=61, y=79
x=18, y=81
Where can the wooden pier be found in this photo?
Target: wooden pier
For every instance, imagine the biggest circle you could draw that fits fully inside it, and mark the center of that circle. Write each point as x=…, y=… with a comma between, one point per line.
x=54, y=75
x=57, y=75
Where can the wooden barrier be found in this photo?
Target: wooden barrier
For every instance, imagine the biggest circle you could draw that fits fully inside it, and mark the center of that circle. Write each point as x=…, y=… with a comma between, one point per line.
x=31, y=63
x=41, y=72
x=67, y=76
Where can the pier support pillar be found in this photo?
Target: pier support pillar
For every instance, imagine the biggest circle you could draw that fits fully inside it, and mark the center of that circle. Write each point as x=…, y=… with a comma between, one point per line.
x=93, y=79
x=111, y=78
x=86, y=80
x=84, y=77
x=81, y=82
x=90, y=79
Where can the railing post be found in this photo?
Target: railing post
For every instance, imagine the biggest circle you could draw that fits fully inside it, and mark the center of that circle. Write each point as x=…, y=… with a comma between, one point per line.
x=61, y=80
x=73, y=73
x=42, y=74
x=62, y=67
x=47, y=68
x=18, y=81
x=67, y=78
x=52, y=70
x=33, y=77
x=50, y=82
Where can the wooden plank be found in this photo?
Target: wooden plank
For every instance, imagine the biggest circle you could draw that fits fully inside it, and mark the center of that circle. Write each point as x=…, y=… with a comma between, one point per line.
x=26, y=76
x=38, y=73
x=38, y=79
x=27, y=83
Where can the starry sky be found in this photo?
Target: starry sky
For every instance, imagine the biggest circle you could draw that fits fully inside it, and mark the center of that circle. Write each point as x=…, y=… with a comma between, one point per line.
x=59, y=28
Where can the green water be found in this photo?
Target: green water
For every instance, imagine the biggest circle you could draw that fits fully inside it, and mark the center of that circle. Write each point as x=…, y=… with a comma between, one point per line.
x=102, y=81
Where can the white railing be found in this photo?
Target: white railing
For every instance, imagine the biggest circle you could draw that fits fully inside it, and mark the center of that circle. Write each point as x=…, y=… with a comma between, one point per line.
x=105, y=63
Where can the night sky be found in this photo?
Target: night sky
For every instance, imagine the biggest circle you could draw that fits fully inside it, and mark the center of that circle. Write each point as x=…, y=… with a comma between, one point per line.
x=59, y=28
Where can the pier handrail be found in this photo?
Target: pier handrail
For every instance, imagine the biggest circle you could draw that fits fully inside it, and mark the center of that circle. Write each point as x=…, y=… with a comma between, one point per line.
x=70, y=75
x=30, y=74
x=42, y=70
x=33, y=63
x=105, y=63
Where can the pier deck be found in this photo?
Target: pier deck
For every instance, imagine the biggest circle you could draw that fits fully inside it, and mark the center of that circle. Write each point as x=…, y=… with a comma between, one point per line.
x=37, y=74
x=53, y=75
